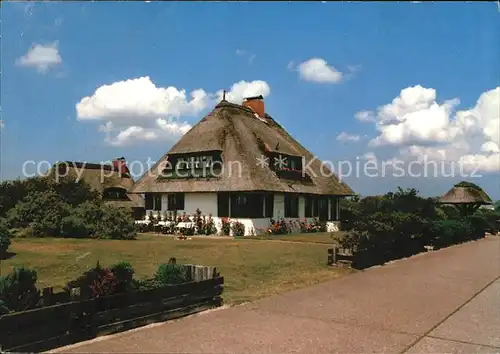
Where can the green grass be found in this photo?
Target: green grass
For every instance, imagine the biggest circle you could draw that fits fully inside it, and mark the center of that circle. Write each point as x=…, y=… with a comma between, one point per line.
x=320, y=237
x=251, y=269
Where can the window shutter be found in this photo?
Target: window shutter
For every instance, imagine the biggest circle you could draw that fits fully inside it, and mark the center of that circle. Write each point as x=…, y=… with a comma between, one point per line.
x=148, y=201
x=223, y=204
x=269, y=205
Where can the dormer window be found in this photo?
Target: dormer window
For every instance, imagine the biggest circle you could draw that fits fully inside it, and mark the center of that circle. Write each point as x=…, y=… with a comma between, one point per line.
x=115, y=193
x=286, y=162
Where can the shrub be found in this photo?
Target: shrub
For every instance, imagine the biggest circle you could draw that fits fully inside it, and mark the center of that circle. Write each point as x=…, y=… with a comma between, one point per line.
x=116, y=224
x=480, y=225
x=226, y=226
x=490, y=219
x=91, y=212
x=312, y=226
x=43, y=210
x=18, y=290
x=95, y=282
x=124, y=274
x=73, y=226
x=3, y=308
x=210, y=228
x=144, y=284
x=279, y=227
x=5, y=237
x=198, y=221
x=391, y=235
x=170, y=273
x=73, y=192
x=445, y=233
x=22, y=232
x=238, y=228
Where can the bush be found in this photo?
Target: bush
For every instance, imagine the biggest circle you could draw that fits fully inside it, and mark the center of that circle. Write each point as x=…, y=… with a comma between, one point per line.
x=91, y=212
x=479, y=226
x=209, y=227
x=226, y=226
x=43, y=210
x=238, y=228
x=3, y=308
x=391, y=235
x=279, y=227
x=444, y=233
x=116, y=224
x=5, y=237
x=312, y=226
x=124, y=274
x=18, y=290
x=170, y=273
x=95, y=282
x=74, y=227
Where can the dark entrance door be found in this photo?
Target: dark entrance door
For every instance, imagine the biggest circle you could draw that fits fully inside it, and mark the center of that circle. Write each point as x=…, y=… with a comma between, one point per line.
x=323, y=208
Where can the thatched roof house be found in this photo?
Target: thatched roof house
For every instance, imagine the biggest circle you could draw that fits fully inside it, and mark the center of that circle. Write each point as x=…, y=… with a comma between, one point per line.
x=465, y=193
x=112, y=181
x=236, y=161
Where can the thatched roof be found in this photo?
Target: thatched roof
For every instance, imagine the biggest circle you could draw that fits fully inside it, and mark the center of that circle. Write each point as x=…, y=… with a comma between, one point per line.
x=241, y=136
x=465, y=193
x=101, y=177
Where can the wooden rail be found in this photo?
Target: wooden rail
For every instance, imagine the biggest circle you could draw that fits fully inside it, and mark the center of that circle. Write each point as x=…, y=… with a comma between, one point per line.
x=53, y=326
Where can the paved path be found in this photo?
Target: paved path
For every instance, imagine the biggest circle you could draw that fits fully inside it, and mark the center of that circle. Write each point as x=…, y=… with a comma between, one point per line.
x=437, y=302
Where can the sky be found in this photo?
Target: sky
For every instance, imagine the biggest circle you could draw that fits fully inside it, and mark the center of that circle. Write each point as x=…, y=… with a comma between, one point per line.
x=359, y=84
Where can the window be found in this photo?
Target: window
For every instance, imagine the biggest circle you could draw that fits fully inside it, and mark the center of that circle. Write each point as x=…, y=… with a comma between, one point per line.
x=315, y=204
x=291, y=206
x=148, y=201
x=308, y=207
x=322, y=208
x=269, y=205
x=157, y=202
x=175, y=201
x=334, y=208
x=311, y=208
x=247, y=205
x=223, y=205
x=115, y=193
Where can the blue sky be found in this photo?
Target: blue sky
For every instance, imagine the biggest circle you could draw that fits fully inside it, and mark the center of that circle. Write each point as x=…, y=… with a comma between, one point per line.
x=318, y=65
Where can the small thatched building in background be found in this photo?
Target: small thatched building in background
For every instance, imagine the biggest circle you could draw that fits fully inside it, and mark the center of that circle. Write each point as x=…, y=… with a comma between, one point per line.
x=466, y=196
x=112, y=181
x=238, y=162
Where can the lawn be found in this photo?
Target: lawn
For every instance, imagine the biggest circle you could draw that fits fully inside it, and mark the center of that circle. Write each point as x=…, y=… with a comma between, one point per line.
x=251, y=269
x=320, y=237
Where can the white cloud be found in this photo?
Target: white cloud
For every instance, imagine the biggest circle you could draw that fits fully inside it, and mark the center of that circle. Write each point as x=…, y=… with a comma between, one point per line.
x=317, y=70
x=419, y=126
x=2, y=125
x=365, y=116
x=245, y=53
x=348, y=137
x=242, y=89
x=41, y=57
x=137, y=110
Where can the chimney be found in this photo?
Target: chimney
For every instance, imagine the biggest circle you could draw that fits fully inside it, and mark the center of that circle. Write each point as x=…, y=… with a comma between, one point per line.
x=120, y=165
x=256, y=103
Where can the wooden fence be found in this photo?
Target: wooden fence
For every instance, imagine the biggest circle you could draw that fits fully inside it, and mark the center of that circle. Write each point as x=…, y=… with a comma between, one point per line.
x=339, y=256
x=53, y=326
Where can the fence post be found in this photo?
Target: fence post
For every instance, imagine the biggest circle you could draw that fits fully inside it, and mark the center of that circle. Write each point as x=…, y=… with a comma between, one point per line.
x=335, y=254
x=47, y=296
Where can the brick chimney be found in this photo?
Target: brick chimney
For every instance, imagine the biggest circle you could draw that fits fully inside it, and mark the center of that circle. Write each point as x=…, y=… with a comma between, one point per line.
x=120, y=165
x=256, y=104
